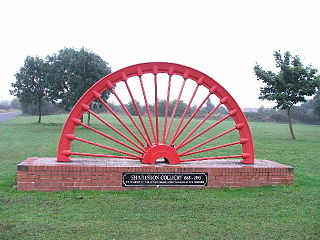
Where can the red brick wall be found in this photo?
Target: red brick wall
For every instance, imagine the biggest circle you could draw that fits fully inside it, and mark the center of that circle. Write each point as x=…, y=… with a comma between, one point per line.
x=44, y=174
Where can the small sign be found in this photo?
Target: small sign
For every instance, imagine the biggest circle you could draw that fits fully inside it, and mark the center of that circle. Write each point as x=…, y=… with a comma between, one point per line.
x=164, y=179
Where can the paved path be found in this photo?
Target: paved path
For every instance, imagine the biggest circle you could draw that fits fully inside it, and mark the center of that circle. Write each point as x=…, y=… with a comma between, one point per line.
x=8, y=116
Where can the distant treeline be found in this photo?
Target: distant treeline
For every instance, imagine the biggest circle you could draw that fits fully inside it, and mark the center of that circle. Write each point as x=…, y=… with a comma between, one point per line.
x=179, y=111
x=31, y=109
x=301, y=114
x=304, y=113
x=13, y=104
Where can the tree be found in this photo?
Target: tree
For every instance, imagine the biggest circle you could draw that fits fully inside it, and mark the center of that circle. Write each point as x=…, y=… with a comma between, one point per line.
x=290, y=85
x=180, y=109
x=130, y=107
x=73, y=72
x=31, y=84
x=209, y=106
x=162, y=106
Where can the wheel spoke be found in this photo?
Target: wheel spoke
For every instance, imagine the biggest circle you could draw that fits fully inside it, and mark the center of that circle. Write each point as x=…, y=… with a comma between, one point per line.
x=102, y=155
x=210, y=140
x=156, y=110
x=210, y=149
x=129, y=115
x=212, y=158
x=103, y=146
x=114, y=129
x=118, y=118
x=166, y=111
x=139, y=115
x=191, y=117
x=175, y=107
x=183, y=116
x=184, y=141
x=106, y=135
x=147, y=106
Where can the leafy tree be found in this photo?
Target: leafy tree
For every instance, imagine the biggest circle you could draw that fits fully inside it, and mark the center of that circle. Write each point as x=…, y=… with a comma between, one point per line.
x=162, y=106
x=180, y=109
x=130, y=107
x=290, y=85
x=73, y=72
x=209, y=106
x=31, y=84
x=192, y=109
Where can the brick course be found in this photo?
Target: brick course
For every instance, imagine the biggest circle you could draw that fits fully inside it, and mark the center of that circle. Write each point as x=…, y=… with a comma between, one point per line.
x=45, y=174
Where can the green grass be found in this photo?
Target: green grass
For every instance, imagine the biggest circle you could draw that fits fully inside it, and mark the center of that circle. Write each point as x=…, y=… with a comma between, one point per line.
x=274, y=212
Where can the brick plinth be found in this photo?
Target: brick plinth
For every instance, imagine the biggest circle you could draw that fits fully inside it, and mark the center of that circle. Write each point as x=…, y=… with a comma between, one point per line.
x=45, y=174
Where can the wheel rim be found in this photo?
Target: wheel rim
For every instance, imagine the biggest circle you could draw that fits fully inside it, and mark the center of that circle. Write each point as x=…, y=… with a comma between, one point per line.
x=148, y=138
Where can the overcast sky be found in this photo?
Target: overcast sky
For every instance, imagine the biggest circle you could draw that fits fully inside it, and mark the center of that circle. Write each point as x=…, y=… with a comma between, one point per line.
x=223, y=39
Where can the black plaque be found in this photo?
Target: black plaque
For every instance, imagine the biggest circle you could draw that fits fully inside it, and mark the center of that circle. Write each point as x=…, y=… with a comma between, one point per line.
x=134, y=179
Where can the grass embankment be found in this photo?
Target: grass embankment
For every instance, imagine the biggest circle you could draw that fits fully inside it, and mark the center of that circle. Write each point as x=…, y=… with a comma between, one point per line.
x=290, y=212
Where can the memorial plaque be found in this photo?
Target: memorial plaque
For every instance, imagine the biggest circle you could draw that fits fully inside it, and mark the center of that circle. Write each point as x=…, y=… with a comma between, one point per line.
x=164, y=179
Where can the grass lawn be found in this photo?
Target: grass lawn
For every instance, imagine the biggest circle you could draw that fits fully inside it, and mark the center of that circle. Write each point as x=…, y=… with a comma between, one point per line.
x=281, y=212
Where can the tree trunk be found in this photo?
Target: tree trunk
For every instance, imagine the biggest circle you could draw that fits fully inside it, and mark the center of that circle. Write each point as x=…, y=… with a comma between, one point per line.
x=89, y=116
x=39, y=110
x=290, y=124
x=88, y=119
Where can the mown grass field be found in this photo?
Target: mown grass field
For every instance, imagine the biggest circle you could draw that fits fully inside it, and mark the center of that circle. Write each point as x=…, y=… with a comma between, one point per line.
x=273, y=212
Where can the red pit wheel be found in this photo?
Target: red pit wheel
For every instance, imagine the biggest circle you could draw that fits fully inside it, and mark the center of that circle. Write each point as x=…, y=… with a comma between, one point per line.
x=152, y=135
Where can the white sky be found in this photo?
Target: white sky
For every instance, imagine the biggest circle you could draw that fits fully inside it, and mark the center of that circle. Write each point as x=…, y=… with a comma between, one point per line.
x=223, y=39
